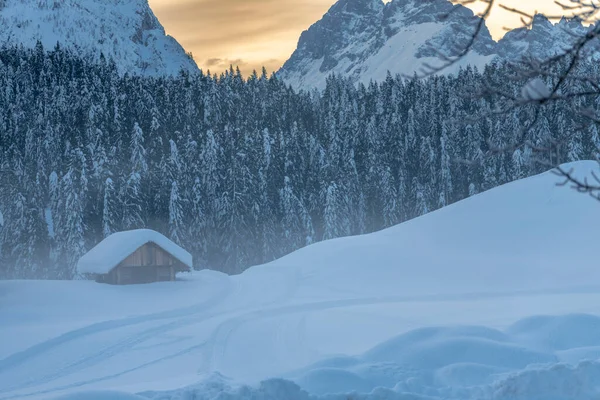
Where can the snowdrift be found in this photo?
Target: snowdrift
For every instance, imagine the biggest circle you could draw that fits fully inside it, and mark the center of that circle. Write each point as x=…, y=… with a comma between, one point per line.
x=448, y=376
x=526, y=236
x=494, y=297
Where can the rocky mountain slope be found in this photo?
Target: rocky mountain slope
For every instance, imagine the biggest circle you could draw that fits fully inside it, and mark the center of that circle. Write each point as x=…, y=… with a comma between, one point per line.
x=364, y=39
x=125, y=30
x=543, y=40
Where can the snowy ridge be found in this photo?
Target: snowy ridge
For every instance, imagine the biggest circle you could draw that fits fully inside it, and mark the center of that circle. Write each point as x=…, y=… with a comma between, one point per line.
x=124, y=30
x=364, y=39
x=493, y=297
x=544, y=40
x=115, y=248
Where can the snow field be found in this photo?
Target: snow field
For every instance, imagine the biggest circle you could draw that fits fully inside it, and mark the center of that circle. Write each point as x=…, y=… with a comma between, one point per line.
x=490, y=298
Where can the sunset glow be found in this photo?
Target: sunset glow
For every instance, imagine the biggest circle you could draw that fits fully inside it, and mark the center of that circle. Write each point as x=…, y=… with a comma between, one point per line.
x=255, y=33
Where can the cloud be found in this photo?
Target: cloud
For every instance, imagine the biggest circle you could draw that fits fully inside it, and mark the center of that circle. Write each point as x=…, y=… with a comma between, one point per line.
x=218, y=65
x=213, y=61
x=224, y=63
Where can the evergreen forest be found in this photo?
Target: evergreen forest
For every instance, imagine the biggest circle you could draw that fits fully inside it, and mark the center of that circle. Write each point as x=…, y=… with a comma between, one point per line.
x=242, y=170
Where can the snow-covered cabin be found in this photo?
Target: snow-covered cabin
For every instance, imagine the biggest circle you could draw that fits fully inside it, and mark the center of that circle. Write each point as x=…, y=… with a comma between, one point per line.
x=138, y=256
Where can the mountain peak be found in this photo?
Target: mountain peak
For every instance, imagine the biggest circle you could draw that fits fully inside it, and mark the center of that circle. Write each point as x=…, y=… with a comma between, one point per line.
x=542, y=40
x=359, y=7
x=329, y=37
x=540, y=20
x=125, y=30
x=363, y=39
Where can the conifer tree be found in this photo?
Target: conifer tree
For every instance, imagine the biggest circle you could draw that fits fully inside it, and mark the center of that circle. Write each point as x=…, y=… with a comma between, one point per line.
x=109, y=209
x=176, y=215
x=132, y=188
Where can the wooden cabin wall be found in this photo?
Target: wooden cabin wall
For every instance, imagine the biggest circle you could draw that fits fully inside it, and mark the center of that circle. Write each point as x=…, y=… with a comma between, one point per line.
x=149, y=254
x=162, y=257
x=135, y=258
x=149, y=263
x=148, y=274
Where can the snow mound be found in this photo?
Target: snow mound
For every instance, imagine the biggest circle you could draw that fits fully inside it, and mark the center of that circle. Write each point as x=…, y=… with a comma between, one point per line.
x=554, y=382
x=418, y=336
x=558, y=333
x=464, y=362
x=432, y=354
x=115, y=248
x=216, y=388
x=521, y=237
x=467, y=374
x=573, y=356
x=334, y=380
x=100, y=395
x=551, y=382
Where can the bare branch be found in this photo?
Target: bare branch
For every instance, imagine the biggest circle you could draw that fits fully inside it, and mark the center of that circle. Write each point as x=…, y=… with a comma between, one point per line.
x=448, y=61
x=581, y=185
x=564, y=86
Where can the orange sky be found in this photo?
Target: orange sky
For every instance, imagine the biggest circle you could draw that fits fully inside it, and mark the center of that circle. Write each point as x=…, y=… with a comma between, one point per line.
x=253, y=33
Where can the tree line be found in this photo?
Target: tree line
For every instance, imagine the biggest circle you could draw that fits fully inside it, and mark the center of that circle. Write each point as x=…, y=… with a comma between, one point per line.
x=242, y=171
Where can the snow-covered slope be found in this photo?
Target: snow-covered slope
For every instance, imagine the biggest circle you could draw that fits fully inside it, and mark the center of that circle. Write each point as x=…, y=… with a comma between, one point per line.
x=364, y=39
x=443, y=307
x=125, y=30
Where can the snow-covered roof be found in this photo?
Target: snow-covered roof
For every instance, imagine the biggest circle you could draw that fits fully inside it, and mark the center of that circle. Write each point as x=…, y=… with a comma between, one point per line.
x=107, y=254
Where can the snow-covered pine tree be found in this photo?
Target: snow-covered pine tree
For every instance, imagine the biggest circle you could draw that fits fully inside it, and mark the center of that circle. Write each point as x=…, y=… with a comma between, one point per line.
x=421, y=207
x=132, y=194
x=265, y=221
x=196, y=232
x=176, y=223
x=71, y=227
x=391, y=208
x=109, y=209
x=446, y=185
x=336, y=218
x=296, y=222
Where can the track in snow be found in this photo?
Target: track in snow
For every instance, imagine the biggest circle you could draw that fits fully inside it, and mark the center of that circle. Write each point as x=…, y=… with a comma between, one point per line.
x=212, y=349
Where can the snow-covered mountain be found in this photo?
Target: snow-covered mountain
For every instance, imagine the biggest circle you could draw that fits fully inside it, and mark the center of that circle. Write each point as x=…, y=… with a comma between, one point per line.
x=364, y=39
x=125, y=30
x=445, y=306
x=543, y=40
